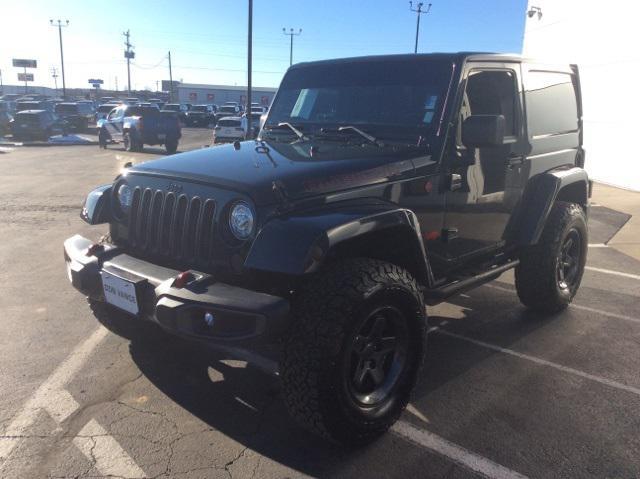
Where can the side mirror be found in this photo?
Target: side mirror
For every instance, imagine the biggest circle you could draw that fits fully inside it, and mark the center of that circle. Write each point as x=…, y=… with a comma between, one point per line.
x=483, y=130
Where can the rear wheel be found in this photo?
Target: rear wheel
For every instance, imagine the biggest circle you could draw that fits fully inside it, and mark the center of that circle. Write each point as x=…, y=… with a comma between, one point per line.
x=355, y=350
x=130, y=143
x=550, y=272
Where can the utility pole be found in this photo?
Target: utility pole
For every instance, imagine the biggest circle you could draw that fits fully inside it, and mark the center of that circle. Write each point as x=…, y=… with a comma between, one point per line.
x=128, y=54
x=291, y=34
x=170, y=80
x=419, y=11
x=54, y=75
x=59, y=24
x=248, y=134
x=116, y=83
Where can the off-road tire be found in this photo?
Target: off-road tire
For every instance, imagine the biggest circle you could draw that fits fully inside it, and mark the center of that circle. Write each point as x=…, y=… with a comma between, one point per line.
x=536, y=275
x=102, y=139
x=171, y=145
x=326, y=314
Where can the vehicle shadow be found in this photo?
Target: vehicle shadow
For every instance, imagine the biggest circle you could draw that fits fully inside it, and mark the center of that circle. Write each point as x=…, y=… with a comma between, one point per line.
x=246, y=405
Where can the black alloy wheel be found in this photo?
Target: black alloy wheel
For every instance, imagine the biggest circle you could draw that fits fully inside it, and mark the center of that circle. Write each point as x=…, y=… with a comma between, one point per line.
x=377, y=356
x=568, y=266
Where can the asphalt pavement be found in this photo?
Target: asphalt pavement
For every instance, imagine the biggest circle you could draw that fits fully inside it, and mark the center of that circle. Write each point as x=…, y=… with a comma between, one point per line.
x=504, y=393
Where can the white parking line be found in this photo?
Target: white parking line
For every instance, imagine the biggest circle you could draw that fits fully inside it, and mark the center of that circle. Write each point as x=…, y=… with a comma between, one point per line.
x=50, y=396
x=598, y=245
x=453, y=452
x=577, y=306
x=542, y=362
x=615, y=273
x=105, y=453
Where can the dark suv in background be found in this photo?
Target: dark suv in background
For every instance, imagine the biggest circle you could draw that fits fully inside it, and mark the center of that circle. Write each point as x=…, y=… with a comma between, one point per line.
x=378, y=185
x=76, y=115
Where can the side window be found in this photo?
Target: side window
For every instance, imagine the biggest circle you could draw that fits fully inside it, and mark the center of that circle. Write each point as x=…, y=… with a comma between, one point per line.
x=113, y=114
x=552, y=107
x=493, y=92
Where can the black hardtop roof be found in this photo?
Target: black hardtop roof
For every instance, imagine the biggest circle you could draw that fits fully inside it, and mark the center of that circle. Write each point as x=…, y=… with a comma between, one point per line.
x=457, y=57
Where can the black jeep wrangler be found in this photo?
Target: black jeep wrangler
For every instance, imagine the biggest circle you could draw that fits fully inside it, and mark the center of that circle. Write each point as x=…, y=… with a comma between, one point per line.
x=377, y=185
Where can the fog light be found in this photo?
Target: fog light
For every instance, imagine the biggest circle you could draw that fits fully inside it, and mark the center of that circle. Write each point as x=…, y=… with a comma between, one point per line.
x=209, y=319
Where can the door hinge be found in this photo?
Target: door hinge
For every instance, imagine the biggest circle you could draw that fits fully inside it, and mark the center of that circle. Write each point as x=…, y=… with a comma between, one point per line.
x=455, y=182
x=449, y=234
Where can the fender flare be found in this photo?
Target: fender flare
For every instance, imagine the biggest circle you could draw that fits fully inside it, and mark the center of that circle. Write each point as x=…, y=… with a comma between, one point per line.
x=541, y=192
x=299, y=244
x=97, y=206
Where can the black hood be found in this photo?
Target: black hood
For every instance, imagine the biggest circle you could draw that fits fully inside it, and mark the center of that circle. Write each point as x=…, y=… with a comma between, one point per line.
x=256, y=167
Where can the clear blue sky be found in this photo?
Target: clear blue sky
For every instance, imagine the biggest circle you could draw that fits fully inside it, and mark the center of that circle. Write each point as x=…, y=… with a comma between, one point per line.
x=207, y=39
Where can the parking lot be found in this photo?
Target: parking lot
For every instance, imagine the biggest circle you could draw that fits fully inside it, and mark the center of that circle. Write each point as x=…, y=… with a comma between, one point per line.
x=504, y=393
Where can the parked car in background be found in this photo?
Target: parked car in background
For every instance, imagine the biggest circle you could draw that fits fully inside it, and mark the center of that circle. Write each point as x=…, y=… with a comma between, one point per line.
x=5, y=122
x=230, y=128
x=156, y=101
x=36, y=125
x=200, y=115
x=8, y=105
x=136, y=126
x=77, y=115
x=22, y=105
x=227, y=110
x=107, y=99
x=131, y=100
x=180, y=109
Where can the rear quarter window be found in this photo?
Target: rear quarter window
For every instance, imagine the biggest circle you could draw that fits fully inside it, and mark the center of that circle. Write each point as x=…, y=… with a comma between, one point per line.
x=552, y=107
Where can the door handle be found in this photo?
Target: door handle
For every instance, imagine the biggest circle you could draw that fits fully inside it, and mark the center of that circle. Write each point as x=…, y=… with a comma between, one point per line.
x=455, y=182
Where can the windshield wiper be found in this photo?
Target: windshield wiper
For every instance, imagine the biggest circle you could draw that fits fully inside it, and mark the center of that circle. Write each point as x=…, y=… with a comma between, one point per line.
x=286, y=124
x=365, y=135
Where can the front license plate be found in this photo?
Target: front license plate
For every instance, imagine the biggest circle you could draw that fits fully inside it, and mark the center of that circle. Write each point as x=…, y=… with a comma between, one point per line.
x=120, y=292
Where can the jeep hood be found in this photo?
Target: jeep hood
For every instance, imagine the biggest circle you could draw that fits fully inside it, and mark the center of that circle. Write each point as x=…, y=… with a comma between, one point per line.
x=260, y=169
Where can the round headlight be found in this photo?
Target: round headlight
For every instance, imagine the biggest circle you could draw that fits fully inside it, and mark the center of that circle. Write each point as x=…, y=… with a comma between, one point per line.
x=125, y=195
x=241, y=220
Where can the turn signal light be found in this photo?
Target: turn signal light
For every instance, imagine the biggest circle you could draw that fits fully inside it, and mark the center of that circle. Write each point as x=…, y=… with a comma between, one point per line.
x=94, y=248
x=182, y=279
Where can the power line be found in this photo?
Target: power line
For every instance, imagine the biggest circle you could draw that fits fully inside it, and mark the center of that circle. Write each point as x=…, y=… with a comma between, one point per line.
x=128, y=54
x=291, y=34
x=419, y=12
x=59, y=24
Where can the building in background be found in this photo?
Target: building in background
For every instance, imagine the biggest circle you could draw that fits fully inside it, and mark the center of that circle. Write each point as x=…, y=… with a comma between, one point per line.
x=601, y=38
x=219, y=94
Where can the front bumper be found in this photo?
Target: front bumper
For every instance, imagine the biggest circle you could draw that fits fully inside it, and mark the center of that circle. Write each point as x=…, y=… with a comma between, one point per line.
x=241, y=316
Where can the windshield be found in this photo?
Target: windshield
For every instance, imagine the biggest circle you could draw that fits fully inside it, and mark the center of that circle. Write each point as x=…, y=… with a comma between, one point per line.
x=199, y=108
x=105, y=108
x=387, y=100
x=228, y=109
x=65, y=108
x=172, y=107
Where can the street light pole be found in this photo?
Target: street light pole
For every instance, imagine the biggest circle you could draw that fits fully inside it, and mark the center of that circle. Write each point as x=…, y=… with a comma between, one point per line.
x=59, y=24
x=419, y=12
x=291, y=34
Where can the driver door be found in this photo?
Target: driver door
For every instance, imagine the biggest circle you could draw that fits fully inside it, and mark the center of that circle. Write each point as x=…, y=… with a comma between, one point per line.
x=485, y=183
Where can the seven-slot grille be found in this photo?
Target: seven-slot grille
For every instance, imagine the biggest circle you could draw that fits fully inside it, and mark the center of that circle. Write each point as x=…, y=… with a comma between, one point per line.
x=172, y=225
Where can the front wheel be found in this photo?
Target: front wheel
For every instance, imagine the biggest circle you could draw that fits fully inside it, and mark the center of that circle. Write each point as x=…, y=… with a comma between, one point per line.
x=353, y=356
x=171, y=145
x=550, y=272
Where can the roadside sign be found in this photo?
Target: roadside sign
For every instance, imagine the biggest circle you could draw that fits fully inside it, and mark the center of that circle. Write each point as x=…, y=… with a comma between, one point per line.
x=96, y=81
x=25, y=76
x=129, y=54
x=22, y=63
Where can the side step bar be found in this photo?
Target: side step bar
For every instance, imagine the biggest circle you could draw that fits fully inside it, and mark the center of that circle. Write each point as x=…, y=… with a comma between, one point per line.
x=438, y=295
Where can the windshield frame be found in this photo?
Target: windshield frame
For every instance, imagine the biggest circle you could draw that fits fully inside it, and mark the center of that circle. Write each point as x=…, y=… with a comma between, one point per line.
x=445, y=70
